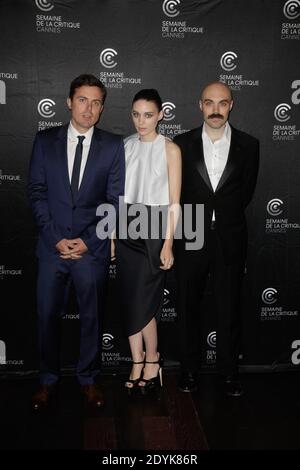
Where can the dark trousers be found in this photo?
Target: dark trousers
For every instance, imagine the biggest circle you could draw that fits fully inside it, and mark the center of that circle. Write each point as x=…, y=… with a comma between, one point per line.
x=88, y=276
x=192, y=270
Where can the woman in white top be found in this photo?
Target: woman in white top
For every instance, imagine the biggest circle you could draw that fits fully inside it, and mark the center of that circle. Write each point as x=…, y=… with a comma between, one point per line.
x=153, y=182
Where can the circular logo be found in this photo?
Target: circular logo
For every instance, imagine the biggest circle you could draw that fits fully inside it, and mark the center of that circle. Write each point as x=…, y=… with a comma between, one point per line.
x=269, y=296
x=107, y=340
x=212, y=339
x=274, y=207
x=227, y=61
x=2, y=352
x=291, y=9
x=45, y=108
x=107, y=58
x=166, y=299
x=170, y=8
x=168, y=109
x=44, y=5
x=2, y=92
x=281, y=112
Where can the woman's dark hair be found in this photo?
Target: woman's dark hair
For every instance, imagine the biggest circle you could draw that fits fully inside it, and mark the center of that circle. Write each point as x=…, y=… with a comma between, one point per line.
x=149, y=94
x=88, y=80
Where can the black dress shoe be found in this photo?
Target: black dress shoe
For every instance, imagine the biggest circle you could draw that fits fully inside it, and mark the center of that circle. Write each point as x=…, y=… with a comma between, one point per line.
x=188, y=382
x=233, y=386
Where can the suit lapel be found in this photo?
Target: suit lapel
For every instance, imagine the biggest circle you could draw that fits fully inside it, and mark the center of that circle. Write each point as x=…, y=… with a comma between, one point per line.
x=61, y=149
x=90, y=166
x=232, y=159
x=199, y=159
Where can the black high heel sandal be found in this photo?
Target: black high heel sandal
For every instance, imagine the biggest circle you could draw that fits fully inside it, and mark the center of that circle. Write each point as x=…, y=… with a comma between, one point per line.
x=155, y=383
x=132, y=384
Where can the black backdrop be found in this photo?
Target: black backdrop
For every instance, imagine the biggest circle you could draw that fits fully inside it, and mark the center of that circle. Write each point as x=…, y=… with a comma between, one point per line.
x=175, y=46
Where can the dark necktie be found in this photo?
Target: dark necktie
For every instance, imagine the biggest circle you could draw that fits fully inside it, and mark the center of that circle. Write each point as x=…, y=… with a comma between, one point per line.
x=77, y=165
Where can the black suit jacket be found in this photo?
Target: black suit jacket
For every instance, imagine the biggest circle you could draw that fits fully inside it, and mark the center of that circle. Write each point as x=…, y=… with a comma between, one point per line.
x=233, y=193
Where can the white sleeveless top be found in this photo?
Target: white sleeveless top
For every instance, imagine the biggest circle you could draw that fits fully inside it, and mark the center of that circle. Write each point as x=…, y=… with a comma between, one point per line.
x=146, y=179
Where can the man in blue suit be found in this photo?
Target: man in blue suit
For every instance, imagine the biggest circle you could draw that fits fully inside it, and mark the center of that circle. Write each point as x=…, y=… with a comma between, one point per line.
x=74, y=169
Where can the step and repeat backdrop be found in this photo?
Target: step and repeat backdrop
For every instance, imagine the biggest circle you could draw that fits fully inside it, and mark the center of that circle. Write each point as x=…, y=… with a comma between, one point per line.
x=176, y=46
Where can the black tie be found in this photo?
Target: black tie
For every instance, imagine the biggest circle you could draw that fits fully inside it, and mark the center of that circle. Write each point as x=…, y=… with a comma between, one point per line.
x=77, y=165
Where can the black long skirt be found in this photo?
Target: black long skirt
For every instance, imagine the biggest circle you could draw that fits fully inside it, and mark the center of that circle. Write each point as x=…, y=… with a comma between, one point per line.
x=140, y=280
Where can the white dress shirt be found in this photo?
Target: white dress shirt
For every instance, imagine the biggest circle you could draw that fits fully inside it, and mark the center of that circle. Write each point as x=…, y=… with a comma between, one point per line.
x=72, y=144
x=216, y=155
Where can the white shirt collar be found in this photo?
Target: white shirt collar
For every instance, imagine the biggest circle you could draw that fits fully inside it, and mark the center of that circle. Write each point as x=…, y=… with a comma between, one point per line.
x=225, y=137
x=73, y=133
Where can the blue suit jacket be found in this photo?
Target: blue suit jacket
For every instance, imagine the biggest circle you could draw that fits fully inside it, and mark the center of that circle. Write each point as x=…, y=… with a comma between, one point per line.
x=57, y=215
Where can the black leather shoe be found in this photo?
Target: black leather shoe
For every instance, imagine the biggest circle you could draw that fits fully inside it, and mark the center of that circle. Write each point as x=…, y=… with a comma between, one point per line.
x=188, y=382
x=233, y=386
